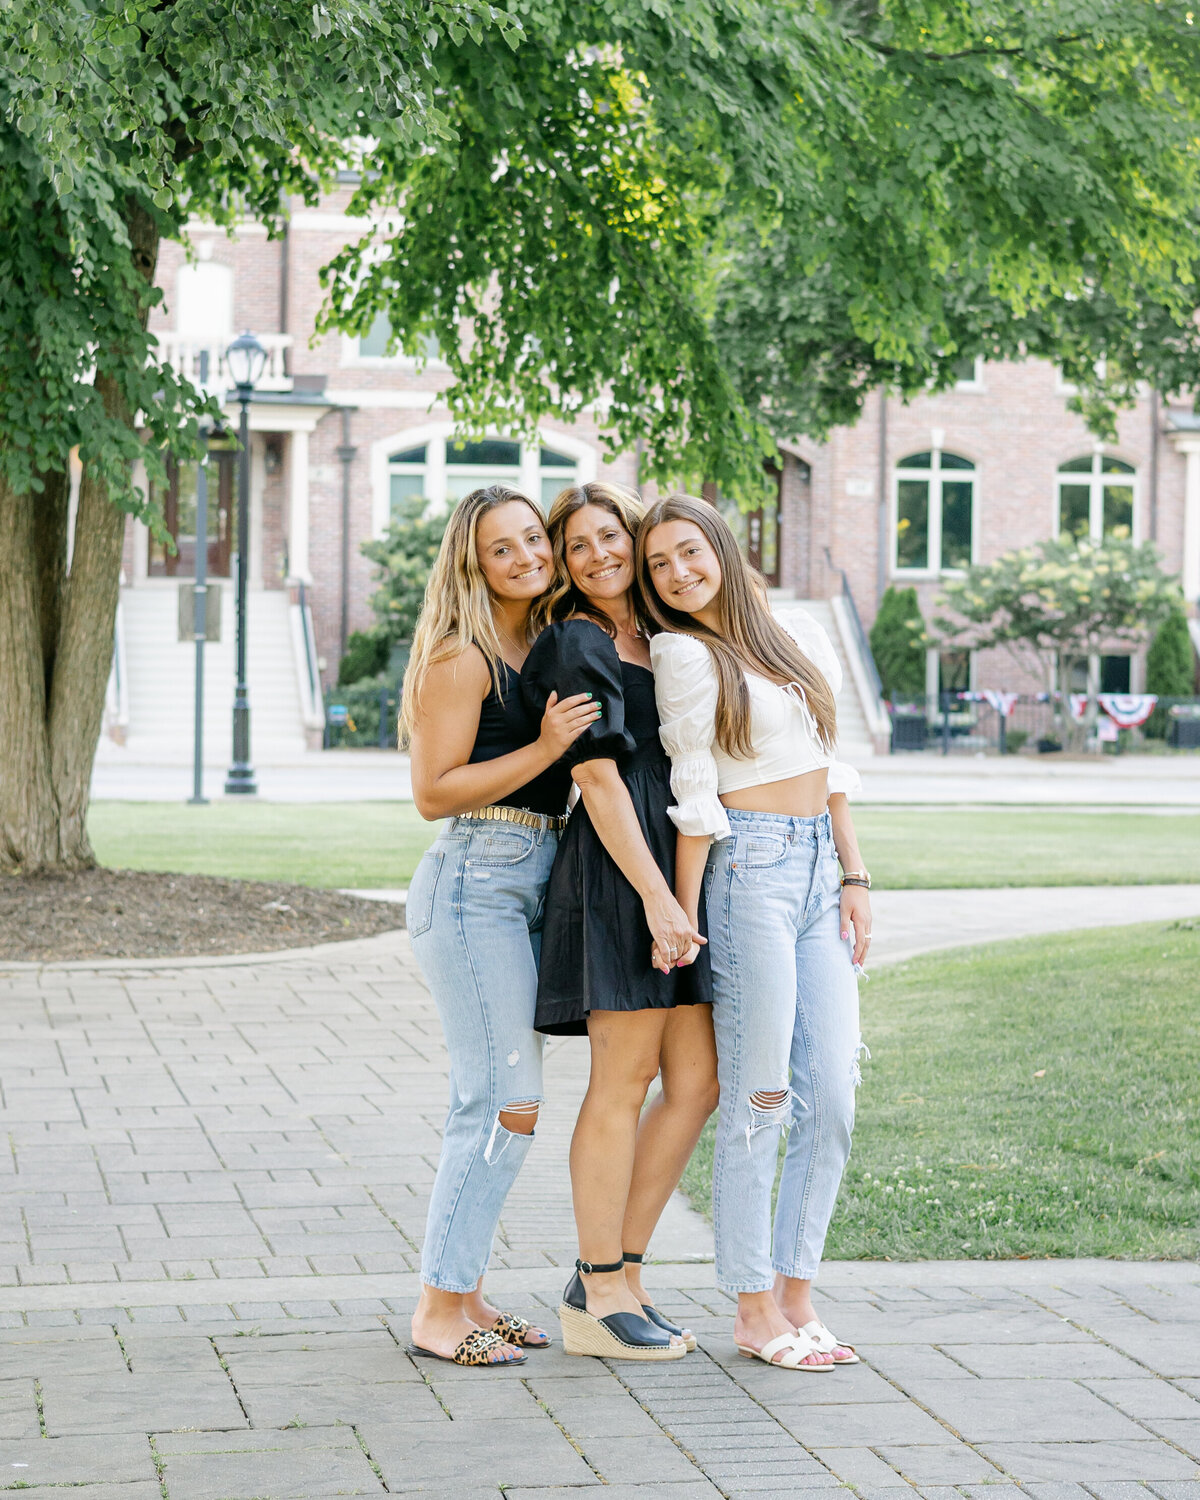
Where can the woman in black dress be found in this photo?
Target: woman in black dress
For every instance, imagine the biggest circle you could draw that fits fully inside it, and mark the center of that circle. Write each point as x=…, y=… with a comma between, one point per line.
x=620, y=960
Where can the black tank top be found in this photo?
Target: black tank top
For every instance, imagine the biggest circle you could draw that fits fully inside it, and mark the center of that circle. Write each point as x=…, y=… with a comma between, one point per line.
x=506, y=725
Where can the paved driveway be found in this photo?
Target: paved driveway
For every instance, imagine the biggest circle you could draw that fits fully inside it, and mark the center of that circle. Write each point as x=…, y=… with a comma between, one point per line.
x=210, y=1205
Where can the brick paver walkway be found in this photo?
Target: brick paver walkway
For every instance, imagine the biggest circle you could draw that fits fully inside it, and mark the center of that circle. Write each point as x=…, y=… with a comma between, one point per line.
x=210, y=1206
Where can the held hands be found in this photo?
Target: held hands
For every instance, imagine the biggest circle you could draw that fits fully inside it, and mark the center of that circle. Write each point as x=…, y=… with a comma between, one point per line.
x=564, y=722
x=856, y=915
x=676, y=938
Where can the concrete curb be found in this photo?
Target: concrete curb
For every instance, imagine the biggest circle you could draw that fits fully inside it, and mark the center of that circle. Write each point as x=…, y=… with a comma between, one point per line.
x=382, y=945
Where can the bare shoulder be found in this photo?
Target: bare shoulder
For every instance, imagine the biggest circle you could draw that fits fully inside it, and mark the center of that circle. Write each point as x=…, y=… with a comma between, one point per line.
x=465, y=674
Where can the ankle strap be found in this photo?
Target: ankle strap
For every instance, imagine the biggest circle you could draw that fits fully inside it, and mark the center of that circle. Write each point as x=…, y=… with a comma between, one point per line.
x=588, y=1268
x=634, y=1260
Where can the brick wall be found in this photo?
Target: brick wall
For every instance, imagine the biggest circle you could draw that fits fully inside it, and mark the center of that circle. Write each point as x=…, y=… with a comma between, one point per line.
x=1016, y=429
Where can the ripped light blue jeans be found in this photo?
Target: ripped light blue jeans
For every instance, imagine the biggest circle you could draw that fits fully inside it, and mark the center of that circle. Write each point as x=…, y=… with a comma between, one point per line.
x=786, y=1022
x=475, y=919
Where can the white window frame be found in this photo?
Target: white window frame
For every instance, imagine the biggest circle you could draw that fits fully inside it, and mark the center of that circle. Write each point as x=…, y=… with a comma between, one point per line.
x=933, y=672
x=934, y=475
x=1096, y=481
x=975, y=383
x=353, y=359
x=434, y=437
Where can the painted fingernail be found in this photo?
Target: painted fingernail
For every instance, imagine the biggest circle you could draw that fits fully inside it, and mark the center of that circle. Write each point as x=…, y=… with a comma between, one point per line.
x=845, y=935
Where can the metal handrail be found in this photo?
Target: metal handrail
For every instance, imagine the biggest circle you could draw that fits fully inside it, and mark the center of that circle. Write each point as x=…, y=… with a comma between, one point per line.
x=316, y=698
x=860, y=635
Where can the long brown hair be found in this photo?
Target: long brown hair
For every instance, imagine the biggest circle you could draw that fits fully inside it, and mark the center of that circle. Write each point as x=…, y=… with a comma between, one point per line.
x=457, y=610
x=626, y=508
x=747, y=635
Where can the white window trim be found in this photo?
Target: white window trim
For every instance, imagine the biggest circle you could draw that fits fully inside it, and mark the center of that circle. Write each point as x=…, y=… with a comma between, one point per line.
x=932, y=673
x=975, y=385
x=1096, y=481
x=934, y=475
x=352, y=359
x=434, y=437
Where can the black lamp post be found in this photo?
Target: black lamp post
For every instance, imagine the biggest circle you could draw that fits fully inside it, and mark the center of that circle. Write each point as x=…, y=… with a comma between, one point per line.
x=244, y=359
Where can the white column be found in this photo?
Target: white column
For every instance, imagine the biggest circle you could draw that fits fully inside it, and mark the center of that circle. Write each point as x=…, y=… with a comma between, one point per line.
x=1190, y=446
x=298, y=509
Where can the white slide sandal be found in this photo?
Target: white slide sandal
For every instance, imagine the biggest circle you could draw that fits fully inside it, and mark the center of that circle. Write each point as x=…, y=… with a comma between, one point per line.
x=798, y=1346
x=827, y=1343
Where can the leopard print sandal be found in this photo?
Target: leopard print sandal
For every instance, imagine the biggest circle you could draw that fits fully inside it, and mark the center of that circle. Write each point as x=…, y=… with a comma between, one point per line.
x=475, y=1349
x=515, y=1330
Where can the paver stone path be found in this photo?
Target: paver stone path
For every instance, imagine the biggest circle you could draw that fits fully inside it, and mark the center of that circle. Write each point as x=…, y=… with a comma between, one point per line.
x=210, y=1207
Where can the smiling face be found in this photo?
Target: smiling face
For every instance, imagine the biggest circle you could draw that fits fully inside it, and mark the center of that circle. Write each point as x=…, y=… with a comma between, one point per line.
x=598, y=553
x=514, y=551
x=683, y=567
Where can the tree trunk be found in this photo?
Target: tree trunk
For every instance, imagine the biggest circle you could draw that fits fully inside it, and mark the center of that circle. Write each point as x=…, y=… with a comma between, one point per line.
x=28, y=808
x=56, y=640
x=50, y=512
x=84, y=659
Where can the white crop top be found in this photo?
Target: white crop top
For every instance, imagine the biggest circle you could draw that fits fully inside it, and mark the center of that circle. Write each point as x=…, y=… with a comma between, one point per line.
x=782, y=729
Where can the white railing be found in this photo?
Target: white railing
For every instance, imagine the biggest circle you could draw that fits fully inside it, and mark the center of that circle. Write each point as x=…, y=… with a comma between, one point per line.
x=182, y=352
x=308, y=672
x=116, y=694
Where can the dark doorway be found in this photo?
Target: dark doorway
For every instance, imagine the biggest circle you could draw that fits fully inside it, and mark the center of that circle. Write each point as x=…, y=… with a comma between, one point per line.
x=763, y=530
x=178, y=503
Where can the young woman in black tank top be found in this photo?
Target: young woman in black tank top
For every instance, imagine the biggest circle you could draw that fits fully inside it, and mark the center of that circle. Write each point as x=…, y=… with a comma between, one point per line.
x=474, y=906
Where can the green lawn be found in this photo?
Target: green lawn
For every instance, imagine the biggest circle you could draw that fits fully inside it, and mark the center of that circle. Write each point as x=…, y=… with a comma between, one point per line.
x=378, y=844
x=1032, y=1098
x=356, y=844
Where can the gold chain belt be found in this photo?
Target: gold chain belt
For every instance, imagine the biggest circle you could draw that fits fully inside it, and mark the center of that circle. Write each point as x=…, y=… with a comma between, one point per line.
x=553, y=823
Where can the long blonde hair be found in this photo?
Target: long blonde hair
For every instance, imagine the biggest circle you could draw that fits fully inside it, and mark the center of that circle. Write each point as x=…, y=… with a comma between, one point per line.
x=747, y=634
x=625, y=507
x=457, y=610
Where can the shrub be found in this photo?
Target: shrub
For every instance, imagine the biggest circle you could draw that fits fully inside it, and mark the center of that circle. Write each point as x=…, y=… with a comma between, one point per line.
x=366, y=656
x=1170, y=667
x=404, y=556
x=896, y=644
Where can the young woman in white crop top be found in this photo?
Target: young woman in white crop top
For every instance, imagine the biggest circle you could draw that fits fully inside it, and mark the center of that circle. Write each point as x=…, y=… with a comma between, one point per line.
x=746, y=701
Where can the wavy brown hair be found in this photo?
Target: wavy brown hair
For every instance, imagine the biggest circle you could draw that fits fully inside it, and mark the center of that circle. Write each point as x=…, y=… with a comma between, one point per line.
x=747, y=637
x=564, y=599
x=457, y=610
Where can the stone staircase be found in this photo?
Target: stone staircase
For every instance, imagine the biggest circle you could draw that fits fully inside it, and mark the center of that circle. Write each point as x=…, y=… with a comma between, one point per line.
x=857, y=742
x=160, y=679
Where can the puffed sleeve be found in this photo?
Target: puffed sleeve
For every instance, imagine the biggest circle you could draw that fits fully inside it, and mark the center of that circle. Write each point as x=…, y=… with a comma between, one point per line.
x=814, y=641
x=685, y=688
x=575, y=656
x=843, y=778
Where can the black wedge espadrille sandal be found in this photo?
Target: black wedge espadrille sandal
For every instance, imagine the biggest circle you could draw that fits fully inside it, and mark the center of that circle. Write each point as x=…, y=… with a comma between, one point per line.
x=620, y=1335
x=652, y=1312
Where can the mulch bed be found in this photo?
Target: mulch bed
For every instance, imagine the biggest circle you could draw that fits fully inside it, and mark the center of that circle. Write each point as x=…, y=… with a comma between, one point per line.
x=136, y=914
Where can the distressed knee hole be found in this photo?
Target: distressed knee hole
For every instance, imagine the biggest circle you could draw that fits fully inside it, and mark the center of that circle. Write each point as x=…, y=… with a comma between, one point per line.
x=861, y=1051
x=519, y=1119
x=769, y=1108
x=512, y=1120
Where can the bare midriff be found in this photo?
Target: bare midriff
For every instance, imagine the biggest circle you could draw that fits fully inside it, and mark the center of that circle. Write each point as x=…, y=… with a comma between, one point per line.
x=796, y=797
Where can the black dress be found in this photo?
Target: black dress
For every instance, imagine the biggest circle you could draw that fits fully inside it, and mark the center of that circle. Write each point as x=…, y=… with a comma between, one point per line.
x=505, y=725
x=595, y=942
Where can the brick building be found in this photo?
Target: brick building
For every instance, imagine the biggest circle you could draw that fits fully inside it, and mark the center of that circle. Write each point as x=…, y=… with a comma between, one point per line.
x=341, y=431
x=914, y=492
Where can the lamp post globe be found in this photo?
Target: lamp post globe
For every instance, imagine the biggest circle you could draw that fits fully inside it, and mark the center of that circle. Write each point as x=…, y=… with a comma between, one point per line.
x=245, y=360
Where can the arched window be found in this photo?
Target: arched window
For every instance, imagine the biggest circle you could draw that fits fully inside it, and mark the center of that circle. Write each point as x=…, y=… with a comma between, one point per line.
x=935, y=512
x=447, y=468
x=1095, y=497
